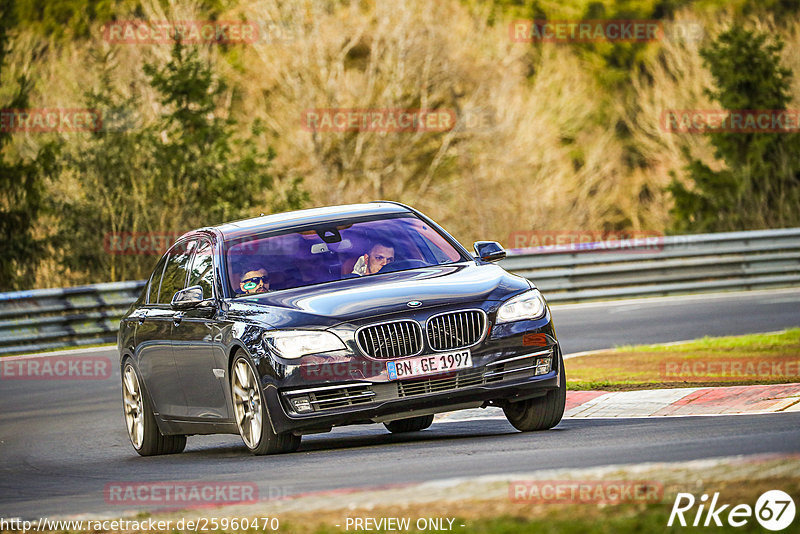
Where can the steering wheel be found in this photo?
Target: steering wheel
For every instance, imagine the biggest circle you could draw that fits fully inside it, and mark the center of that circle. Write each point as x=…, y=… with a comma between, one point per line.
x=402, y=265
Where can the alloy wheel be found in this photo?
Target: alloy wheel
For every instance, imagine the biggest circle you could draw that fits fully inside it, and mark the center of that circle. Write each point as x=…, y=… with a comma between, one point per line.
x=134, y=410
x=247, y=403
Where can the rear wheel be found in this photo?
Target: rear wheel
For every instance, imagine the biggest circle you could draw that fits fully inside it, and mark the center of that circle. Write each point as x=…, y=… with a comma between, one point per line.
x=143, y=431
x=540, y=413
x=251, y=415
x=412, y=424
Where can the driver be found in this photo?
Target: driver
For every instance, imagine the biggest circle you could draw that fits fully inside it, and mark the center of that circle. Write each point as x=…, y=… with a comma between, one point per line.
x=379, y=255
x=254, y=279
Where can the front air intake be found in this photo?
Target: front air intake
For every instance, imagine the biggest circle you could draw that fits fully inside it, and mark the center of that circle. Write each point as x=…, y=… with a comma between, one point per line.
x=456, y=330
x=390, y=340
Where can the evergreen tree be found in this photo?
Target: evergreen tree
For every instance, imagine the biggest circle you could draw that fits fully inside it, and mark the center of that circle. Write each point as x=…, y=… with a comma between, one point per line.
x=200, y=161
x=760, y=186
x=21, y=198
x=189, y=167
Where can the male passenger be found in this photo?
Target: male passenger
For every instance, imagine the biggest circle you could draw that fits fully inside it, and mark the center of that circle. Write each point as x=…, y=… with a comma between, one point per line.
x=254, y=279
x=379, y=255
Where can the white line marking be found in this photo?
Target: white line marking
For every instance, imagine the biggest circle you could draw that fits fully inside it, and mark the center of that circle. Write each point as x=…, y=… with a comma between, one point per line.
x=489, y=417
x=68, y=352
x=668, y=299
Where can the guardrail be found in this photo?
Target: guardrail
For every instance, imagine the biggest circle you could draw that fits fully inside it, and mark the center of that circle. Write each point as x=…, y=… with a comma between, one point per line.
x=53, y=318
x=667, y=266
x=42, y=319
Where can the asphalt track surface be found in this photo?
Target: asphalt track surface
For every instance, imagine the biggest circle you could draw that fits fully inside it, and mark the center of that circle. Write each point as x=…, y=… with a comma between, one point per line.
x=62, y=442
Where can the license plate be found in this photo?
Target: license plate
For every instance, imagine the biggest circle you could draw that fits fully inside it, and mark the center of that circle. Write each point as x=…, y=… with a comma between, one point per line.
x=429, y=365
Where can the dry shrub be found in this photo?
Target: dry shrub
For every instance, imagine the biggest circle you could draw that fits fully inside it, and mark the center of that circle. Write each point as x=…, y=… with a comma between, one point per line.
x=675, y=79
x=538, y=160
x=537, y=145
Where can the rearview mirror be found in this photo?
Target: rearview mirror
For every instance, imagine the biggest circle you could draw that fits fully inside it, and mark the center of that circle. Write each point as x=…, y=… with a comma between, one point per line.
x=187, y=298
x=489, y=250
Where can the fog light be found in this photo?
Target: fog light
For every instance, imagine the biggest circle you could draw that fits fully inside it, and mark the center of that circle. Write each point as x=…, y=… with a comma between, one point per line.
x=302, y=404
x=542, y=366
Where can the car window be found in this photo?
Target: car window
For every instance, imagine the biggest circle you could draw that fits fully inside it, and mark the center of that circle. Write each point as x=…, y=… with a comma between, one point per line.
x=333, y=251
x=155, y=281
x=201, y=273
x=175, y=271
x=432, y=242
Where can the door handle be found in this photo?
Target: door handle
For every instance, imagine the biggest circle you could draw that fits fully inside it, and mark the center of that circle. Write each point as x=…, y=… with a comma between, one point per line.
x=177, y=318
x=142, y=317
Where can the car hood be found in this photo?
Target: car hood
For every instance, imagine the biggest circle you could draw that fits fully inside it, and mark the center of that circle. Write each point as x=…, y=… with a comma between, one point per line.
x=356, y=298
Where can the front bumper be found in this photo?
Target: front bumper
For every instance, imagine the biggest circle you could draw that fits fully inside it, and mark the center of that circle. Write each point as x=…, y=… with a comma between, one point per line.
x=355, y=402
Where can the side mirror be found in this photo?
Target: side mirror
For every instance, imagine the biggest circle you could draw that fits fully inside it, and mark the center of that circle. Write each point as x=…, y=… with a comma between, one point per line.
x=489, y=250
x=191, y=297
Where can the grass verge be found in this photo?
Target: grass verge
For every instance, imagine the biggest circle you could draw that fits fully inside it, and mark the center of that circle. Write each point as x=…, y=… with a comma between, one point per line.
x=772, y=358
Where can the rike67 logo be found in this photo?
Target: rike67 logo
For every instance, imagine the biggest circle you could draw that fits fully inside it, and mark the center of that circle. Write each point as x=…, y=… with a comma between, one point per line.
x=774, y=510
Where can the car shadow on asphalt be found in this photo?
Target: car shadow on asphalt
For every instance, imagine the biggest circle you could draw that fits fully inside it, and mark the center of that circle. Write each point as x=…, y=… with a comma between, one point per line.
x=377, y=438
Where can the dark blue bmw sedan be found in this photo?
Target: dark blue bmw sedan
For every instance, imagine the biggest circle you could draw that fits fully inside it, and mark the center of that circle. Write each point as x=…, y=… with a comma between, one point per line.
x=294, y=323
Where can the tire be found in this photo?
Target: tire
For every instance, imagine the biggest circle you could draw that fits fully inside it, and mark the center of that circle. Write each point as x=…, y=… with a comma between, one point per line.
x=140, y=422
x=412, y=424
x=251, y=415
x=540, y=413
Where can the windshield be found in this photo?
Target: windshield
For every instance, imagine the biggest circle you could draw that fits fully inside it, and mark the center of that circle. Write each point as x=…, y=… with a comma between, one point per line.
x=328, y=252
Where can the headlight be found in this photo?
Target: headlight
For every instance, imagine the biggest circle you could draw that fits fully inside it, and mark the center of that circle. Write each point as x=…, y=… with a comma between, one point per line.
x=297, y=343
x=528, y=305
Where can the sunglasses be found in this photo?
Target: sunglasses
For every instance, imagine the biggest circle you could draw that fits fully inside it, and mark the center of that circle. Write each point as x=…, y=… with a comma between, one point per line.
x=250, y=283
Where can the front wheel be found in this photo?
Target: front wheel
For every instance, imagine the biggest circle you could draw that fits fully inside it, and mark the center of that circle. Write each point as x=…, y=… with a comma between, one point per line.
x=143, y=431
x=540, y=413
x=251, y=415
x=412, y=424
